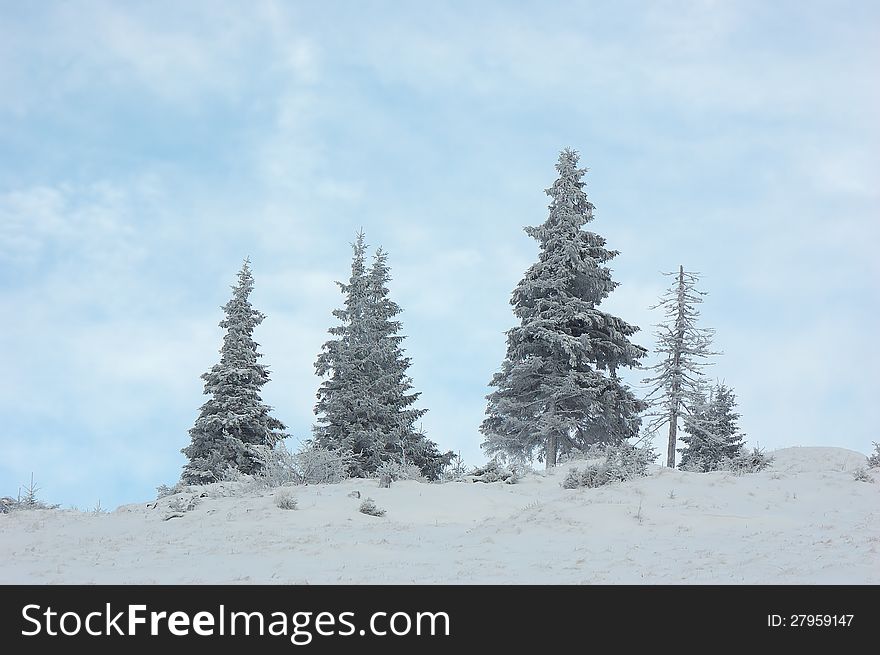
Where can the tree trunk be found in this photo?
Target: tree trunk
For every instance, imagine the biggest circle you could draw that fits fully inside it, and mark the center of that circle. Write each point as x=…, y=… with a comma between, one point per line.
x=550, y=455
x=676, y=380
x=673, y=430
x=550, y=448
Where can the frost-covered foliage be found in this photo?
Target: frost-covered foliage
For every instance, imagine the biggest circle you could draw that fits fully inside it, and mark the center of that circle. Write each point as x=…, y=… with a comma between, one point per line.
x=558, y=389
x=365, y=403
x=750, y=461
x=284, y=499
x=863, y=475
x=26, y=499
x=163, y=490
x=617, y=464
x=277, y=465
x=684, y=348
x=712, y=436
x=398, y=471
x=368, y=506
x=309, y=465
x=234, y=418
x=874, y=458
x=494, y=471
x=456, y=471
x=592, y=451
x=743, y=463
x=315, y=465
x=183, y=503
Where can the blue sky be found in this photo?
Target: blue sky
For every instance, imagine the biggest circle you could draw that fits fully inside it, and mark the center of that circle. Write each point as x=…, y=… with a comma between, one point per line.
x=147, y=148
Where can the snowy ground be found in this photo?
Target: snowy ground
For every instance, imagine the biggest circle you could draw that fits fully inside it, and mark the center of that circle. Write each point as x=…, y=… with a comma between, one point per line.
x=804, y=521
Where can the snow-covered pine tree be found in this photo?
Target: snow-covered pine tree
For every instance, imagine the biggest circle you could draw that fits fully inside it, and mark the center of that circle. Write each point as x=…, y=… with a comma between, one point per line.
x=558, y=387
x=365, y=404
x=234, y=418
x=712, y=435
x=684, y=347
x=341, y=409
x=389, y=385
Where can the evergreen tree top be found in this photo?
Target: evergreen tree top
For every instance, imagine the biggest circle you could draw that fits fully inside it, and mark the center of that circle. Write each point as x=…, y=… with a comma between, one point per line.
x=355, y=290
x=570, y=267
x=240, y=316
x=382, y=308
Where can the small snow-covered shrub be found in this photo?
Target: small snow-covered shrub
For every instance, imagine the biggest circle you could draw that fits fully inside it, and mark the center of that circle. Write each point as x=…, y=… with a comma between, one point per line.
x=232, y=474
x=626, y=461
x=369, y=507
x=311, y=465
x=595, y=475
x=321, y=466
x=456, y=471
x=183, y=504
x=399, y=471
x=493, y=471
x=743, y=463
x=277, y=466
x=862, y=475
x=750, y=462
x=26, y=500
x=284, y=499
x=874, y=458
x=164, y=490
x=617, y=464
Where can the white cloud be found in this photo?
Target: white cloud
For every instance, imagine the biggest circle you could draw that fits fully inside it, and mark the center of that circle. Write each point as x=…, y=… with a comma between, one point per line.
x=93, y=221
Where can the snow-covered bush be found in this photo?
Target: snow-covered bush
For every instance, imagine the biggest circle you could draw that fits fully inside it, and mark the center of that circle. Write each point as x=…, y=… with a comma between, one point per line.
x=456, y=471
x=183, y=504
x=862, y=475
x=750, y=462
x=617, y=464
x=164, y=490
x=493, y=471
x=27, y=499
x=874, y=458
x=399, y=471
x=315, y=465
x=310, y=465
x=595, y=475
x=277, y=466
x=743, y=463
x=626, y=461
x=369, y=507
x=284, y=499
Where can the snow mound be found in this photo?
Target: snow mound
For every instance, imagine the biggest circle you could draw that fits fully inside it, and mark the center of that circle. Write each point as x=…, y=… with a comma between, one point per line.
x=808, y=459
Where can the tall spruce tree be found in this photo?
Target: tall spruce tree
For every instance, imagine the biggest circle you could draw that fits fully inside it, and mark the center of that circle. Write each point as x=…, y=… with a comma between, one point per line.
x=341, y=410
x=390, y=386
x=365, y=403
x=712, y=435
x=684, y=347
x=558, y=387
x=234, y=418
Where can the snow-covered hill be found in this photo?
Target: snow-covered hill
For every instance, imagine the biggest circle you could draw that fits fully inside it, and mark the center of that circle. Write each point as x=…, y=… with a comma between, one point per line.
x=803, y=521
